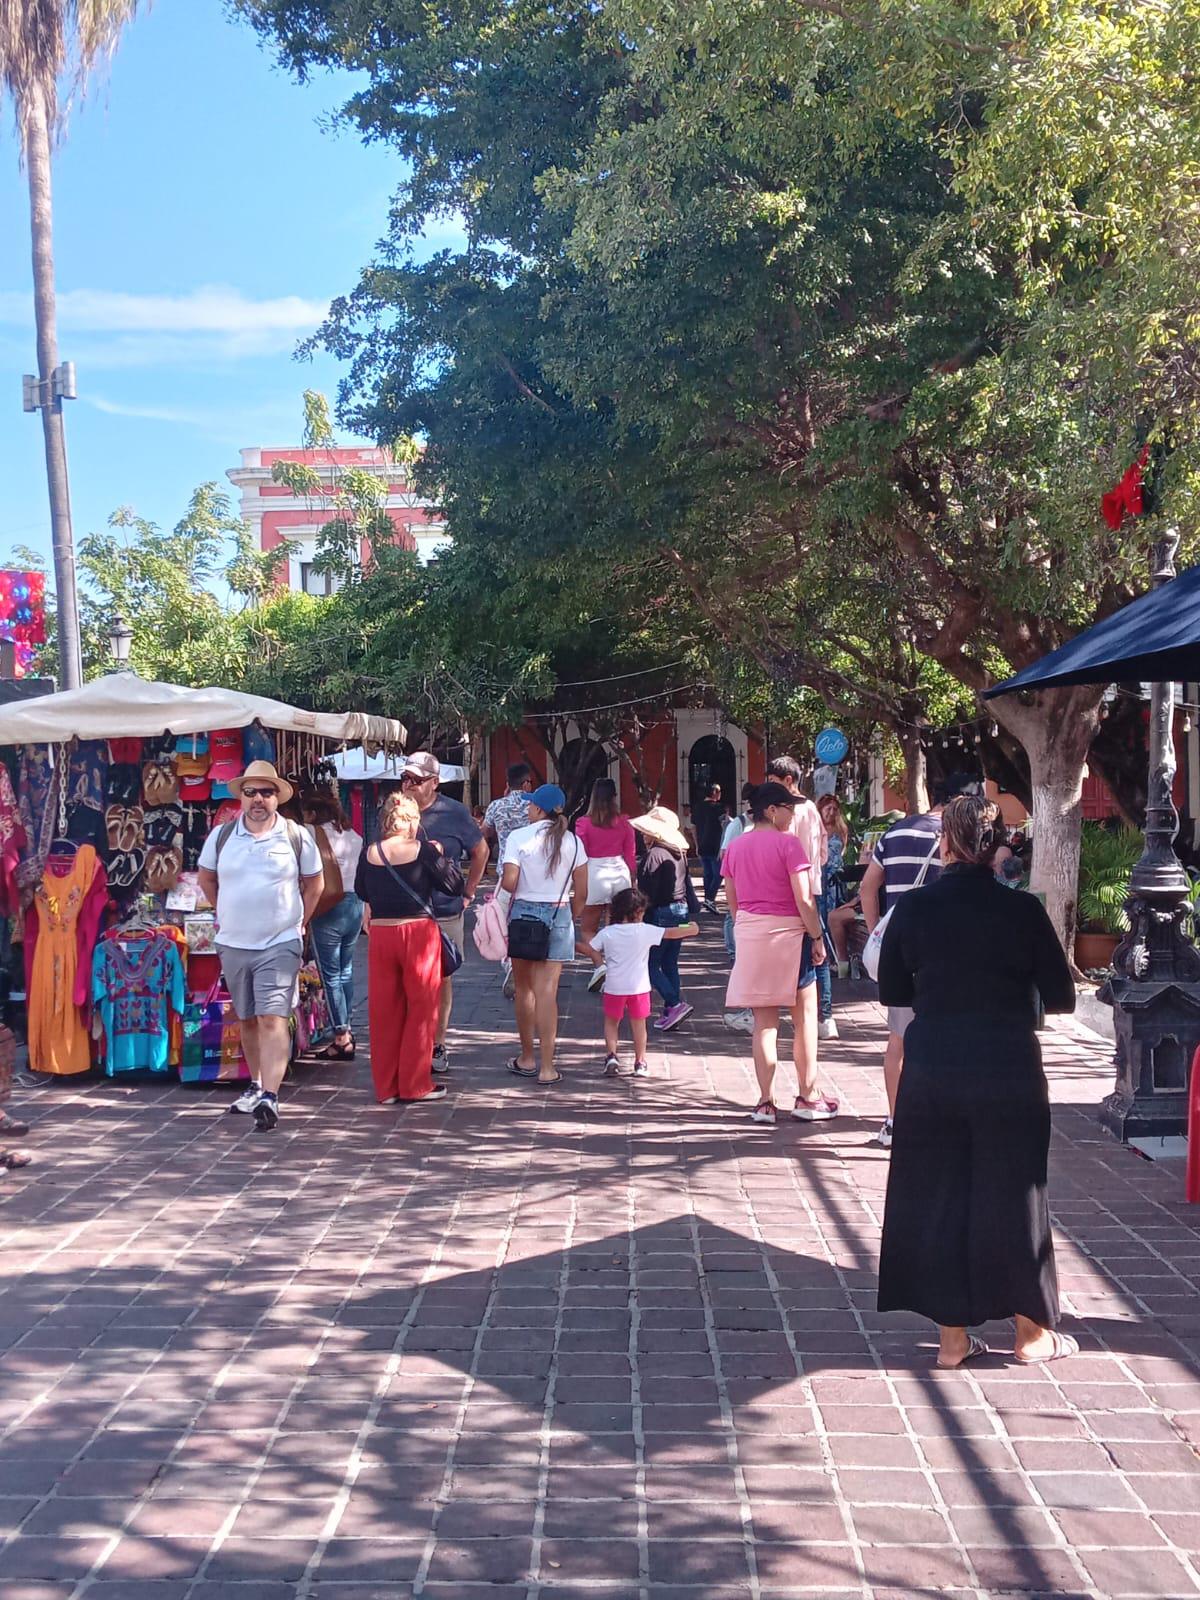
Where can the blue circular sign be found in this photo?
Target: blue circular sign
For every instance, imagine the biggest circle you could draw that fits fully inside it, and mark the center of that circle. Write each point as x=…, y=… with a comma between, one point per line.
x=832, y=746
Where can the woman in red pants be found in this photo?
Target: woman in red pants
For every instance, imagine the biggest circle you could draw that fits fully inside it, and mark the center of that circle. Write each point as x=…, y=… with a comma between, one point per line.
x=404, y=971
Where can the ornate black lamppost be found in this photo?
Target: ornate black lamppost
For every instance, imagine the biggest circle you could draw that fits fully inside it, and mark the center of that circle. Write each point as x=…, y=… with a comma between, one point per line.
x=1155, y=989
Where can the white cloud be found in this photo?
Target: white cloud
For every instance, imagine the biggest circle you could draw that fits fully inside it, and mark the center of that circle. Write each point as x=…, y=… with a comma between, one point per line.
x=226, y=424
x=214, y=322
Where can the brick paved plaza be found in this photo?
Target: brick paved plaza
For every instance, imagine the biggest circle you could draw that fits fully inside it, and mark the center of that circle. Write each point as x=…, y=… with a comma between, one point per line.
x=606, y=1340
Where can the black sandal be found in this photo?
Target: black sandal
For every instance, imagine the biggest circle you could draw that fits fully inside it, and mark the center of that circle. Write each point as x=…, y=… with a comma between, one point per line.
x=336, y=1052
x=18, y=1130
x=518, y=1071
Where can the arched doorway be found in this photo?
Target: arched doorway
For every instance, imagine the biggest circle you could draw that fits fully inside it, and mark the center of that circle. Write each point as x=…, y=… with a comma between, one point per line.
x=580, y=763
x=712, y=759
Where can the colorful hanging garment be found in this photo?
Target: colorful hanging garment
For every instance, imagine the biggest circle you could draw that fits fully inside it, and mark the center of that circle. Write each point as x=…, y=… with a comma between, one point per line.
x=60, y=934
x=137, y=987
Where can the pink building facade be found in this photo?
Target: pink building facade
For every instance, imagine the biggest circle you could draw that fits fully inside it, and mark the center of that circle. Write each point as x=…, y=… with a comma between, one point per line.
x=275, y=515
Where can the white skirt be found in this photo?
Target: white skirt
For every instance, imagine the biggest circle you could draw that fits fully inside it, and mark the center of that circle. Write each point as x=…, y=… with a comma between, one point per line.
x=607, y=876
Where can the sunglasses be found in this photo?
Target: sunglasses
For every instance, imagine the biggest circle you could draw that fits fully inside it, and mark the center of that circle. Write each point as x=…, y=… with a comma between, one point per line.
x=411, y=779
x=259, y=794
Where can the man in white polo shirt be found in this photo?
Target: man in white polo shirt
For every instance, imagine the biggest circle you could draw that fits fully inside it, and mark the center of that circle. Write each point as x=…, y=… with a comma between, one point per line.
x=263, y=874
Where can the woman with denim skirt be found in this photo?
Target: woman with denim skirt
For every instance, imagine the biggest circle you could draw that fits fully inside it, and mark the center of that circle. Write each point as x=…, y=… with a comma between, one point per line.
x=545, y=871
x=664, y=879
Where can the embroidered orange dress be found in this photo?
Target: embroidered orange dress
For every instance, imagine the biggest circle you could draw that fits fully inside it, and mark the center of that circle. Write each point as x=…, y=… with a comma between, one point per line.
x=58, y=1038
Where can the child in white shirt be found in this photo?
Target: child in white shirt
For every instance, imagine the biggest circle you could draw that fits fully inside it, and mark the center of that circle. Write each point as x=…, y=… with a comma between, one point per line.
x=624, y=947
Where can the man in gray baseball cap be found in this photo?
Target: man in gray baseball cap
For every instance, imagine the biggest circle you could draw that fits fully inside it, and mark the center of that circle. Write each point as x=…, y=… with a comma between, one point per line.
x=446, y=822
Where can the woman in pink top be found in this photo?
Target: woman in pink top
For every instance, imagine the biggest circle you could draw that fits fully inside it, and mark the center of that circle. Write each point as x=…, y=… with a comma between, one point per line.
x=777, y=932
x=608, y=838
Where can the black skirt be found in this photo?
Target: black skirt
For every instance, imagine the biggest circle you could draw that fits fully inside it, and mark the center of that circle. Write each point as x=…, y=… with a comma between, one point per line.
x=966, y=1227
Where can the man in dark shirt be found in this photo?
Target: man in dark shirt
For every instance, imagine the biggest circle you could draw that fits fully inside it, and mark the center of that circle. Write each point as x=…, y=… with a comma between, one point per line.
x=448, y=823
x=709, y=818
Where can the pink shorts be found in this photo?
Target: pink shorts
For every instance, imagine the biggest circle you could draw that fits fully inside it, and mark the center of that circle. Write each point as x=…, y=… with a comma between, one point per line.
x=615, y=1005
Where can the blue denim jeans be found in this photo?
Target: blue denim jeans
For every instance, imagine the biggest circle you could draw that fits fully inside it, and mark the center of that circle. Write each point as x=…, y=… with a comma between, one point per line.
x=335, y=939
x=664, y=957
x=825, y=973
x=710, y=867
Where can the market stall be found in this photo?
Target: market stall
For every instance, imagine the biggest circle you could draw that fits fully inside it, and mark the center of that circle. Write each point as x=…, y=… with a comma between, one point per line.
x=107, y=794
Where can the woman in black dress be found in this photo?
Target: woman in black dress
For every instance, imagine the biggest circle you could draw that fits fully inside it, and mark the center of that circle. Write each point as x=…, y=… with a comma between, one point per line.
x=966, y=1228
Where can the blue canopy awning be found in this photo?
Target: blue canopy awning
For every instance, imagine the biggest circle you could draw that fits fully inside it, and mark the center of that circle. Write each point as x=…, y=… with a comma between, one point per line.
x=1154, y=639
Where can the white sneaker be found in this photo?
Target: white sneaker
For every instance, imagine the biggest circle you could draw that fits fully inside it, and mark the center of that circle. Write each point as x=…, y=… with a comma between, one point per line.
x=740, y=1021
x=827, y=1028
x=596, y=981
x=884, y=1137
x=248, y=1099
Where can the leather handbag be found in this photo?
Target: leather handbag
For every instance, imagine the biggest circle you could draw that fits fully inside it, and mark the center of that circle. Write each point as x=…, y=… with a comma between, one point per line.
x=334, y=889
x=452, y=956
x=529, y=937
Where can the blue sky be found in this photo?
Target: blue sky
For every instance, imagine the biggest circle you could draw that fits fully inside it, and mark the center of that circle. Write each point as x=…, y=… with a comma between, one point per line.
x=204, y=219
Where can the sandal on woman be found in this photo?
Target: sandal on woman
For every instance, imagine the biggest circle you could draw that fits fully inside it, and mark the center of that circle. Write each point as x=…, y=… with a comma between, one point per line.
x=518, y=1071
x=336, y=1052
x=557, y=1078
x=18, y=1130
x=1061, y=1344
x=11, y=1159
x=975, y=1347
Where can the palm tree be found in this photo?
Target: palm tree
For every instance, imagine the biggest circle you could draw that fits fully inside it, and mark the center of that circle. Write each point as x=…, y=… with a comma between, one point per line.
x=44, y=44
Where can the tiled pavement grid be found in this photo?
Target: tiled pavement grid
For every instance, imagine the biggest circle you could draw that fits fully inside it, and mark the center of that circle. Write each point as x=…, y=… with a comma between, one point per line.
x=605, y=1340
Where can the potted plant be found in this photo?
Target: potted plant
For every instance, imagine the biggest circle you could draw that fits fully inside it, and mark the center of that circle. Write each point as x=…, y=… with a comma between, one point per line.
x=1107, y=857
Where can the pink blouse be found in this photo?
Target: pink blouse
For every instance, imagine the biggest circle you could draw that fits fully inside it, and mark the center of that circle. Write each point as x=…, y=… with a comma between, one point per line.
x=615, y=841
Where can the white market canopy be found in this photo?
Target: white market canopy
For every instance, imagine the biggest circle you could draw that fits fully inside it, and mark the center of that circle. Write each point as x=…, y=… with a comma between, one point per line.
x=356, y=766
x=124, y=706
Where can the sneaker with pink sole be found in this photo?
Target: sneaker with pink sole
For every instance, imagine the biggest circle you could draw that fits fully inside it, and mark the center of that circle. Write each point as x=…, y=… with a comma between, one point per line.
x=819, y=1110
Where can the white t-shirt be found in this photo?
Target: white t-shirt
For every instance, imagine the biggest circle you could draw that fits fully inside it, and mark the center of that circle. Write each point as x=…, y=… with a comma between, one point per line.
x=258, y=884
x=524, y=848
x=626, y=948
x=345, y=846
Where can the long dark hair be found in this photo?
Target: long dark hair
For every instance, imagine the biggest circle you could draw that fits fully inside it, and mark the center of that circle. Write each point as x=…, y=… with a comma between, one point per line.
x=605, y=808
x=557, y=829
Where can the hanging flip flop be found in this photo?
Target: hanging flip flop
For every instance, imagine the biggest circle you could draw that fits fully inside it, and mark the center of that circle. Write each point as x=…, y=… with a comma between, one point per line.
x=1063, y=1345
x=975, y=1347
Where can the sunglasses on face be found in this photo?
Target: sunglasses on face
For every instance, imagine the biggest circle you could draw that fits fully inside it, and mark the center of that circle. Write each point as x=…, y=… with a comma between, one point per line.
x=410, y=780
x=258, y=794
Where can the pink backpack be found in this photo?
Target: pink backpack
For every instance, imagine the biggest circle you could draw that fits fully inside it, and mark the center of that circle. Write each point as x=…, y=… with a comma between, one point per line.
x=491, y=931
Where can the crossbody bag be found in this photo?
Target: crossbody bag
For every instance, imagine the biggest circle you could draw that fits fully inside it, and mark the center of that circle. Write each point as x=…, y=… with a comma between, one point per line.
x=874, y=944
x=452, y=956
x=529, y=937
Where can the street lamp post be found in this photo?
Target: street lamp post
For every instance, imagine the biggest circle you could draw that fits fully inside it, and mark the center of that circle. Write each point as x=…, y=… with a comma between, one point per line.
x=120, y=641
x=1155, y=989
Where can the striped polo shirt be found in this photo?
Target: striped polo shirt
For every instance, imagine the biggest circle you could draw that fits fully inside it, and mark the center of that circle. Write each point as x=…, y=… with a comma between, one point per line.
x=904, y=850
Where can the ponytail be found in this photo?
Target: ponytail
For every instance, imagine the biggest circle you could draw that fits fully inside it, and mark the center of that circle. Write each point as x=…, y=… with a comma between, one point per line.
x=557, y=828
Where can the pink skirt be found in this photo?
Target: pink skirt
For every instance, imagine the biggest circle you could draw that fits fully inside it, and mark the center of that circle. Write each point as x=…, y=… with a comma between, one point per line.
x=767, y=968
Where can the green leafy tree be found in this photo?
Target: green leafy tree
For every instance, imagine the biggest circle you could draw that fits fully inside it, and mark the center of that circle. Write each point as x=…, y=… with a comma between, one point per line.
x=816, y=271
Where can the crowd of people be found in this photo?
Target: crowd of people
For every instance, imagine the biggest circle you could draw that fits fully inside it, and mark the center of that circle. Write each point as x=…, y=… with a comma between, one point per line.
x=965, y=968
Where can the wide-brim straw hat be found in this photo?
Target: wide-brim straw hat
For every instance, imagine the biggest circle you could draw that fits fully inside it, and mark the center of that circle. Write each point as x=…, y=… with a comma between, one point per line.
x=263, y=772
x=661, y=824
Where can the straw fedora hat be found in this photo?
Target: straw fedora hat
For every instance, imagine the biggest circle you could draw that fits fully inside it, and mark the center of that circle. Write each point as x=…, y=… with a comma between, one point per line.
x=263, y=772
x=661, y=824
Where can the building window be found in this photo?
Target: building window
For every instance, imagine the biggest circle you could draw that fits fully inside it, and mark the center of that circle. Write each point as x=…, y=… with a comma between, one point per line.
x=315, y=582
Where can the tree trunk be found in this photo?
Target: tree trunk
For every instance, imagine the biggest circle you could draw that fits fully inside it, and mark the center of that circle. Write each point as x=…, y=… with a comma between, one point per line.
x=1056, y=728
x=41, y=220
x=916, y=777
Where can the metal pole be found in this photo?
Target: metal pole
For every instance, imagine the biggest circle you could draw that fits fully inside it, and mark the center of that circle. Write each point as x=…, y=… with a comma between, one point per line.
x=1155, y=986
x=1159, y=877
x=37, y=157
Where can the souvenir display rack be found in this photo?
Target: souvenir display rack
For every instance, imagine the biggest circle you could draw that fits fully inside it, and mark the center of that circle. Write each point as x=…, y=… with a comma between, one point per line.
x=101, y=826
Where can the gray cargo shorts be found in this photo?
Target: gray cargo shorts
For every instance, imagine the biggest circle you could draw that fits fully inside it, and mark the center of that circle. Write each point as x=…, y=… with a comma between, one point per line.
x=262, y=983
